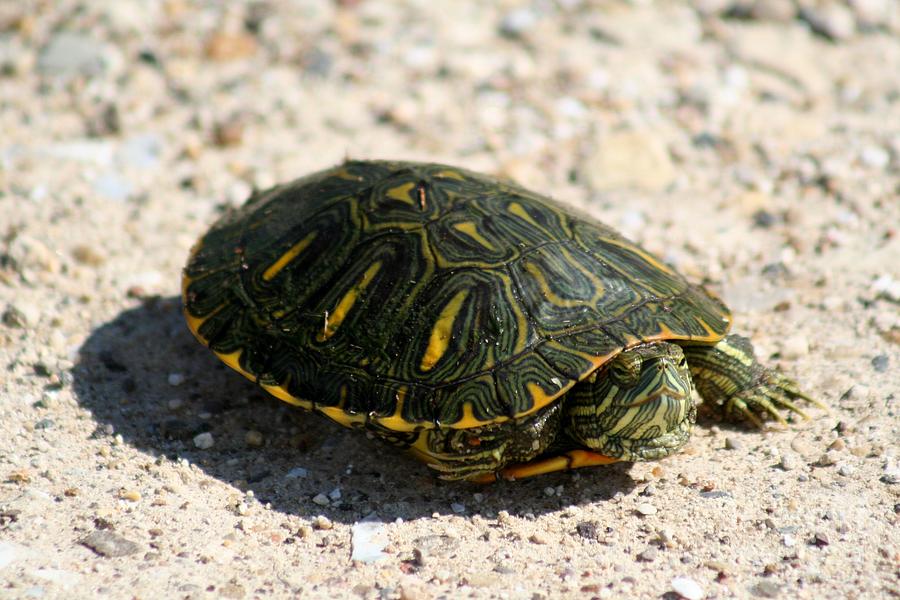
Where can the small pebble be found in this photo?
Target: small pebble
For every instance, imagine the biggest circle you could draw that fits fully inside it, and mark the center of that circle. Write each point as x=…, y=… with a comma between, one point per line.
x=335, y=494
x=789, y=461
x=687, y=588
x=666, y=537
x=881, y=362
x=517, y=22
x=368, y=539
x=458, y=507
x=130, y=495
x=891, y=474
x=820, y=540
x=226, y=46
x=106, y=543
x=828, y=459
x=588, y=530
x=175, y=403
x=789, y=540
x=254, y=438
x=321, y=500
x=87, y=255
x=204, y=440
x=297, y=473
x=323, y=523
x=648, y=555
x=646, y=509
x=539, y=538
x=875, y=157
x=732, y=443
x=175, y=379
x=887, y=287
x=766, y=589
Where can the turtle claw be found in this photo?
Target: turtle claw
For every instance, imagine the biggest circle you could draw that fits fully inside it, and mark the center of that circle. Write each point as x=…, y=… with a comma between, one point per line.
x=770, y=397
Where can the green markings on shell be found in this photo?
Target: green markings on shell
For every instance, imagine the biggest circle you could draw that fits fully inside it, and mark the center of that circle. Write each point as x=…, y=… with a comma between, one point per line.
x=527, y=383
x=462, y=324
x=469, y=239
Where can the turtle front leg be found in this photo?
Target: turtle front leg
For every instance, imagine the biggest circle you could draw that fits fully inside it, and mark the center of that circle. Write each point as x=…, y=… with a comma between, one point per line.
x=731, y=380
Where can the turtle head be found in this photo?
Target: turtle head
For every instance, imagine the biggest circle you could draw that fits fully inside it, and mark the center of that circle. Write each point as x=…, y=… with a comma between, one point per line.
x=639, y=406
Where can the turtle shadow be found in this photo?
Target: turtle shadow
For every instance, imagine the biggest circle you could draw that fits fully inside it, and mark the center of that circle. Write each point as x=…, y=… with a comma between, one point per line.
x=144, y=377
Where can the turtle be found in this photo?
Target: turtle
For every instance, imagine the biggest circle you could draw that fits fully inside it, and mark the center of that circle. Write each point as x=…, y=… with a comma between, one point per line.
x=485, y=328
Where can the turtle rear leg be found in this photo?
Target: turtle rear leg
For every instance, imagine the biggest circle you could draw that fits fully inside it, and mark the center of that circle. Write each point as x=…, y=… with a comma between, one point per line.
x=731, y=381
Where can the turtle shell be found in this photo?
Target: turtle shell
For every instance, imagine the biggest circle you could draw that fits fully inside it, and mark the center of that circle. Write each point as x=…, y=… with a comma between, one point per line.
x=422, y=295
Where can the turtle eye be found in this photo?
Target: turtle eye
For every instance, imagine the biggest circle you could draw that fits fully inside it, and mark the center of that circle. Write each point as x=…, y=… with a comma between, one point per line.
x=625, y=369
x=473, y=440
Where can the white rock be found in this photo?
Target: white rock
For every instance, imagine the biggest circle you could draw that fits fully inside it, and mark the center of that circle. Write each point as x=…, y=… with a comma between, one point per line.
x=646, y=509
x=368, y=538
x=687, y=588
x=875, y=157
x=887, y=286
x=204, y=440
x=321, y=500
x=70, y=54
x=113, y=187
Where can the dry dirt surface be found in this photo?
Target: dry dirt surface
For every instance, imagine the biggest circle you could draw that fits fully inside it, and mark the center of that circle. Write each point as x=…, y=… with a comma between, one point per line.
x=754, y=145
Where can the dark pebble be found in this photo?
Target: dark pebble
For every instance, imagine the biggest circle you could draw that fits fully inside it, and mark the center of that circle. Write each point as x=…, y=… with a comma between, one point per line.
x=820, y=540
x=716, y=494
x=881, y=362
x=258, y=475
x=733, y=444
x=42, y=370
x=106, y=543
x=44, y=424
x=764, y=219
x=588, y=530
x=13, y=317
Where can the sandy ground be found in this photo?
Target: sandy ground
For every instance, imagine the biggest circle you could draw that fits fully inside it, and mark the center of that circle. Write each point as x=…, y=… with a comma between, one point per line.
x=754, y=145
